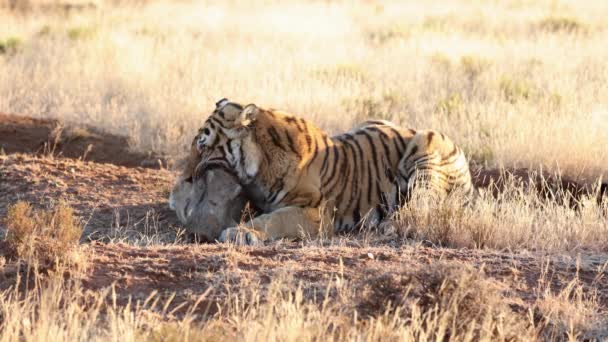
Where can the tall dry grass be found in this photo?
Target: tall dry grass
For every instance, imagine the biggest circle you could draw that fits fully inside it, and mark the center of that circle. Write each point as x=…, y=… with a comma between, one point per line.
x=516, y=219
x=515, y=82
x=442, y=301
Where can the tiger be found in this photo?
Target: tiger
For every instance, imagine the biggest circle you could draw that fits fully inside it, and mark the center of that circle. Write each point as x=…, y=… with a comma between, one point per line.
x=307, y=182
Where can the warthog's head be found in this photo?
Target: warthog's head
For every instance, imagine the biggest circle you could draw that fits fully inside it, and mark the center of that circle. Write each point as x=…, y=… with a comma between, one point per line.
x=207, y=198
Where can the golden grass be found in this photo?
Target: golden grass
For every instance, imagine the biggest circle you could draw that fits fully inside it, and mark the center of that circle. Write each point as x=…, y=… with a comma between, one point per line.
x=517, y=219
x=514, y=82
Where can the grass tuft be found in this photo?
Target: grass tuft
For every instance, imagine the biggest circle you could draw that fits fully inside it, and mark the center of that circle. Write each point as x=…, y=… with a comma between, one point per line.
x=43, y=236
x=80, y=33
x=367, y=108
x=45, y=30
x=474, y=66
x=344, y=72
x=515, y=90
x=572, y=313
x=388, y=34
x=519, y=217
x=562, y=24
x=450, y=105
x=462, y=301
x=10, y=45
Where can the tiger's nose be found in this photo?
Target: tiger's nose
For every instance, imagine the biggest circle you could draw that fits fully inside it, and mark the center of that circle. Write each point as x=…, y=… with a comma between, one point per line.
x=200, y=145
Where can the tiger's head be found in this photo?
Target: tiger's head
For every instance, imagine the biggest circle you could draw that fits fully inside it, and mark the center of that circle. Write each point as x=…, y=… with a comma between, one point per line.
x=229, y=120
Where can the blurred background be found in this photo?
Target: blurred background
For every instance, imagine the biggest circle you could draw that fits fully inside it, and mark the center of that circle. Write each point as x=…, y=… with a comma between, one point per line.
x=516, y=82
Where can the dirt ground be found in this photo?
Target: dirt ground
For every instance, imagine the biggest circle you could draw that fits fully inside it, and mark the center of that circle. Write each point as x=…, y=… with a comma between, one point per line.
x=122, y=196
x=189, y=271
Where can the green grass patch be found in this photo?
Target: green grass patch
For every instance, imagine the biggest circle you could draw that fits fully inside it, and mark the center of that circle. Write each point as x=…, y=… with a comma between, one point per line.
x=10, y=45
x=474, y=66
x=515, y=90
x=80, y=33
x=451, y=104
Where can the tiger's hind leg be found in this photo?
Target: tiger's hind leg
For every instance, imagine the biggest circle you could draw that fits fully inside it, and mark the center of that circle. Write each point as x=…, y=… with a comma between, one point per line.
x=288, y=222
x=432, y=167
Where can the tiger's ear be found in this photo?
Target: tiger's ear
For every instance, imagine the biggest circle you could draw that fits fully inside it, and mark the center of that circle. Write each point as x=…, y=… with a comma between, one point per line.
x=221, y=102
x=249, y=114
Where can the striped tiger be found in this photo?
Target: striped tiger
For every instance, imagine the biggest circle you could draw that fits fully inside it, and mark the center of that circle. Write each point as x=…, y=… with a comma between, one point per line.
x=307, y=182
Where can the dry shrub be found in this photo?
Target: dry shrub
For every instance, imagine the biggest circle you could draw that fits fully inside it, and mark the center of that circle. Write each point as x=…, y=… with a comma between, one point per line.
x=43, y=236
x=514, y=89
x=382, y=292
x=573, y=313
x=443, y=301
x=460, y=303
x=474, y=66
x=450, y=105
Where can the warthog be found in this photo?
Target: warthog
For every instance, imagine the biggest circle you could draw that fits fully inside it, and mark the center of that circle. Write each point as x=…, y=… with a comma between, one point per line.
x=208, y=203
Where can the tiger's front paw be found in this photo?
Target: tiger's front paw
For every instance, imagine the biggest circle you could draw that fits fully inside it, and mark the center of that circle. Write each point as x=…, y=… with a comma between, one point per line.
x=242, y=236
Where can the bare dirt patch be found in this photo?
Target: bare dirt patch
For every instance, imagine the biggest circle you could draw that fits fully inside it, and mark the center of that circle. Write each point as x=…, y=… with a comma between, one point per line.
x=377, y=273
x=116, y=191
x=20, y=134
x=106, y=196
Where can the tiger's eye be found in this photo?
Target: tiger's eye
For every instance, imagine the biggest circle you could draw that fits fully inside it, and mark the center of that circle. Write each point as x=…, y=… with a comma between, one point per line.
x=206, y=131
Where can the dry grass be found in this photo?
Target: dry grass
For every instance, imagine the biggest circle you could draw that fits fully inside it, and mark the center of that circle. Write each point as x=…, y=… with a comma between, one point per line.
x=44, y=237
x=515, y=82
x=436, y=302
x=518, y=218
x=571, y=312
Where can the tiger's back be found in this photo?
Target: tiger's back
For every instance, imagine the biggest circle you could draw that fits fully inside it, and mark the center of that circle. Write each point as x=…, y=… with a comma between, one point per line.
x=367, y=173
